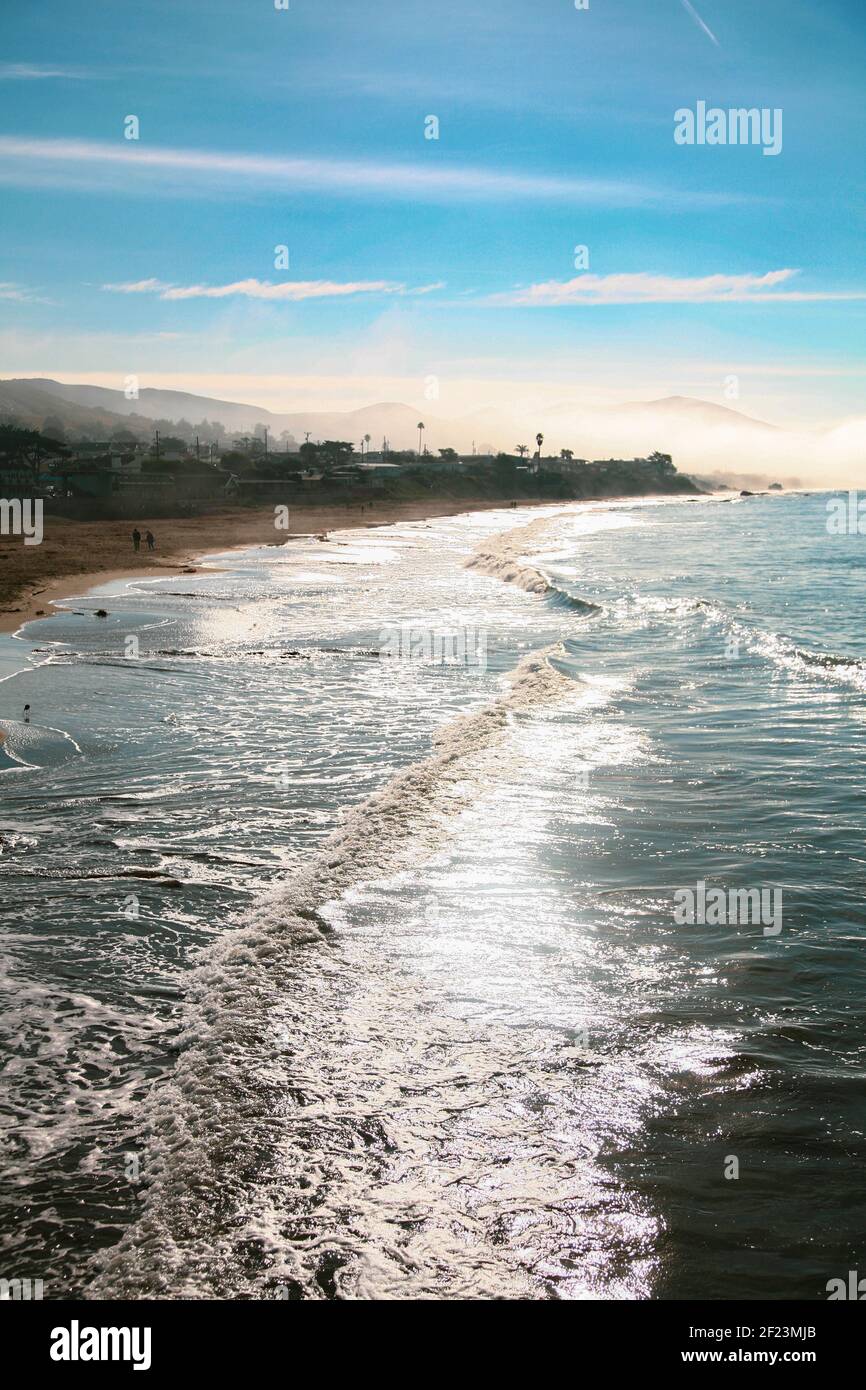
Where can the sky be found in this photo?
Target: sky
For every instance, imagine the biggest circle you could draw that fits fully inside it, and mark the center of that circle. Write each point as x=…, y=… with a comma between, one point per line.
x=436, y=270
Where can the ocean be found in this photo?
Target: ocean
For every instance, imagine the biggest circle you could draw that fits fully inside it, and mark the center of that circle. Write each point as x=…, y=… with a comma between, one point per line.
x=344, y=952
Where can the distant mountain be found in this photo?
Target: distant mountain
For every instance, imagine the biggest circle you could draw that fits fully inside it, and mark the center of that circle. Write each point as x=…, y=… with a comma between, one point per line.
x=32, y=399
x=700, y=435
x=33, y=395
x=30, y=403
x=150, y=404
x=695, y=411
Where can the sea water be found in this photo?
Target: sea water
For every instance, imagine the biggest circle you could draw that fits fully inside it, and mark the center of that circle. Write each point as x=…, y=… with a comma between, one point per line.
x=335, y=967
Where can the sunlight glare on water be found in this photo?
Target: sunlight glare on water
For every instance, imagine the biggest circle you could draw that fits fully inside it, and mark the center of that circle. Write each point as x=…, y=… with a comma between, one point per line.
x=273, y=1038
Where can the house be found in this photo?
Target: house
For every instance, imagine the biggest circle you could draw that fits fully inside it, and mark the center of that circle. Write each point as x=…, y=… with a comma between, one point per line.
x=345, y=475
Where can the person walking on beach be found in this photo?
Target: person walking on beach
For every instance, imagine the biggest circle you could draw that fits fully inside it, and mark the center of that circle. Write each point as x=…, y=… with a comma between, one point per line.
x=151, y=540
x=136, y=539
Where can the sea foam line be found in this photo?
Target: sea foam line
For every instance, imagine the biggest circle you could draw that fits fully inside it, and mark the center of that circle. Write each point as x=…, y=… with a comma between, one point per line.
x=212, y=1132
x=502, y=557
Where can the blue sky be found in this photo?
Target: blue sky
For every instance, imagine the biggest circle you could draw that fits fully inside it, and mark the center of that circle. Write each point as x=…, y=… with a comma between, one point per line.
x=452, y=259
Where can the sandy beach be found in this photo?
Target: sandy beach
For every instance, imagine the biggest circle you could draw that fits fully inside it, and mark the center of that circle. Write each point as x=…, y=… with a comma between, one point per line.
x=75, y=555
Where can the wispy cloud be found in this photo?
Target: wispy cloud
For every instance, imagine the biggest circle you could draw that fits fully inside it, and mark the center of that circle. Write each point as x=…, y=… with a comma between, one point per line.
x=667, y=289
x=165, y=170
x=19, y=293
x=33, y=72
x=690, y=9
x=138, y=287
x=291, y=291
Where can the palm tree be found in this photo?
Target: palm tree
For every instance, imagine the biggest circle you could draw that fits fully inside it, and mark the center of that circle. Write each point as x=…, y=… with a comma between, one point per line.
x=522, y=450
x=367, y=442
x=420, y=434
x=539, y=439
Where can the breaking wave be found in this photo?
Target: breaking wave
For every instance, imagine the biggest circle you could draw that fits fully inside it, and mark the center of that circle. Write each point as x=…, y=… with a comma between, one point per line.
x=252, y=1134
x=503, y=558
x=785, y=653
x=781, y=651
x=847, y=670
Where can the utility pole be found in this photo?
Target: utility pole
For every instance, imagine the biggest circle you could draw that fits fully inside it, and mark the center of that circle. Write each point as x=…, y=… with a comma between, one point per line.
x=157, y=442
x=196, y=447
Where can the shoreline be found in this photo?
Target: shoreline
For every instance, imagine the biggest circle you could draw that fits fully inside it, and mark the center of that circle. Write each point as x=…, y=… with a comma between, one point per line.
x=34, y=578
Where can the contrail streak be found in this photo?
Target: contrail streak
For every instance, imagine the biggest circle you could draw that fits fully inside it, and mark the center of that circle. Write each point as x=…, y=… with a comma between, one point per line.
x=687, y=5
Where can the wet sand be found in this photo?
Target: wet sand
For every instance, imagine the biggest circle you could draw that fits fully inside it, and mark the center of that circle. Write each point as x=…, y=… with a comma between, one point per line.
x=77, y=555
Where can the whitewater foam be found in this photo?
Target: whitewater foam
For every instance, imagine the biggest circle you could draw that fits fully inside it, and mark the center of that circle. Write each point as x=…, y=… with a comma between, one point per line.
x=503, y=557
x=219, y=1122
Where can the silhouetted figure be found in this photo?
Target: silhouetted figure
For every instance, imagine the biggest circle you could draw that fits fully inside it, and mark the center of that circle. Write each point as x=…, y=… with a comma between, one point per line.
x=136, y=539
x=26, y=714
x=151, y=540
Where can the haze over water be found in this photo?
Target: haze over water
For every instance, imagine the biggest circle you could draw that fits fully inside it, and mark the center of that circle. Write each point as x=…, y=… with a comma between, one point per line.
x=463, y=1049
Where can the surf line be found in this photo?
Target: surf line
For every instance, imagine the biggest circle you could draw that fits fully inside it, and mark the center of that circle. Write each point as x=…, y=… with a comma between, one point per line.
x=503, y=558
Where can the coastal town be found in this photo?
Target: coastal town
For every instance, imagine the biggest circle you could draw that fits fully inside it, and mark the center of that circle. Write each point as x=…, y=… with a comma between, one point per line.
x=172, y=468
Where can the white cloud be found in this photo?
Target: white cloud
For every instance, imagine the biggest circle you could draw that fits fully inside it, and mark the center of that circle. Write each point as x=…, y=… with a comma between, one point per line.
x=138, y=287
x=31, y=72
x=643, y=288
x=169, y=171
x=291, y=291
x=21, y=295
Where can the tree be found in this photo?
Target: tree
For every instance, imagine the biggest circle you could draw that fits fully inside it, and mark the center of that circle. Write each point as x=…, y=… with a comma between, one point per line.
x=566, y=454
x=366, y=444
x=449, y=454
x=522, y=450
x=171, y=444
x=420, y=435
x=539, y=439
x=29, y=449
x=250, y=445
x=663, y=462
x=336, y=453
x=209, y=431
x=309, y=454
